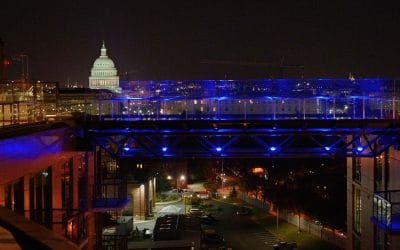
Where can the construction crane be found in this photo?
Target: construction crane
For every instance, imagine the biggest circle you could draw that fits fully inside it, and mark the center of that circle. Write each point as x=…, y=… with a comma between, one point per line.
x=281, y=66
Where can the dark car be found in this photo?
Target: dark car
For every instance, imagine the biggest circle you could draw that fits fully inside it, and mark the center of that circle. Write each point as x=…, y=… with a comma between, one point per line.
x=285, y=246
x=244, y=211
x=212, y=238
x=208, y=220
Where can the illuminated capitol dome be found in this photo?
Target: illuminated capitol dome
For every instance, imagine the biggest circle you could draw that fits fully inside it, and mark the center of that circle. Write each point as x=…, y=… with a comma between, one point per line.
x=104, y=74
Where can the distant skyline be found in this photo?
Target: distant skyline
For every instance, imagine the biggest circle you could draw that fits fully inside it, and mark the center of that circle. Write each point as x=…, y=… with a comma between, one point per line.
x=169, y=39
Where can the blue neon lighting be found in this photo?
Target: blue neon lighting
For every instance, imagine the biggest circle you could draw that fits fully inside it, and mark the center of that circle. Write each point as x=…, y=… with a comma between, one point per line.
x=273, y=149
x=327, y=148
x=360, y=149
x=219, y=149
x=126, y=148
x=164, y=149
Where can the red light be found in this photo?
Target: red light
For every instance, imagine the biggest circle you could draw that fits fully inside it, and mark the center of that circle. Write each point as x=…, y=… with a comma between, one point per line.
x=6, y=62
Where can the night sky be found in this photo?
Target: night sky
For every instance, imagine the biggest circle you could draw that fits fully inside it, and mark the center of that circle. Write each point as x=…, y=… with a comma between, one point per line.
x=169, y=39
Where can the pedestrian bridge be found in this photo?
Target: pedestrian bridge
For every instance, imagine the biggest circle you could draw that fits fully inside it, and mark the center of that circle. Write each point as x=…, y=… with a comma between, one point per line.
x=243, y=138
x=223, y=118
x=252, y=118
x=269, y=99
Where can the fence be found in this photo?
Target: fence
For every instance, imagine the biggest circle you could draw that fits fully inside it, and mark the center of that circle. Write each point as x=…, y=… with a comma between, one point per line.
x=255, y=202
x=302, y=222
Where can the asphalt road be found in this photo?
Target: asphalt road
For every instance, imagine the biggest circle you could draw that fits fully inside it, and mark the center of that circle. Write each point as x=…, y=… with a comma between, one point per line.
x=240, y=232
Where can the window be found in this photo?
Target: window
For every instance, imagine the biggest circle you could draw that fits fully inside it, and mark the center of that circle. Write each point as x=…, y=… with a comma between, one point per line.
x=378, y=167
x=66, y=184
x=18, y=189
x=357, y=209
x=32, y=198
x=357, y=169
x=356, y=243
x=380, y=239
x=8, y=196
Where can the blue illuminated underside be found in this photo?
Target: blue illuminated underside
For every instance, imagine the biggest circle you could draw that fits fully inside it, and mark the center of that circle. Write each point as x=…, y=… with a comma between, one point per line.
x=393, y=226
x=32, y=146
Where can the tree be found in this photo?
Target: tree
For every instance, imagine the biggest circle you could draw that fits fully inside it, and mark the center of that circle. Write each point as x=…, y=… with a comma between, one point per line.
x=162, y=184
x=233, y=193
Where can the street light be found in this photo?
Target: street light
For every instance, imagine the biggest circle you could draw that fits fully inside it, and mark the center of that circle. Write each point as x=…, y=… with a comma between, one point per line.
x=182, y=178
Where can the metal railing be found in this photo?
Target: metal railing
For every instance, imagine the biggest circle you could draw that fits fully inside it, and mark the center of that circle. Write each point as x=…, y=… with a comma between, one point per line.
x=387, y=210
x=114, y=242
x=71, y=221
x=265, y=108
x=111, y=192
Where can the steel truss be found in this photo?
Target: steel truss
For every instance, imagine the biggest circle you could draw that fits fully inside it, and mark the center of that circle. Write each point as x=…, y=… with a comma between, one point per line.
x=211, y=138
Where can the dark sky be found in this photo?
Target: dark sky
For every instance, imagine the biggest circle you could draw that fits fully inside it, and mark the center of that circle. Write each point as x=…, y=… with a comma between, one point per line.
x=169, y=39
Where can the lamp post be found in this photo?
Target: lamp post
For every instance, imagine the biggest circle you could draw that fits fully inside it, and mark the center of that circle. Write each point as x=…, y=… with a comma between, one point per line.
x=182, y=178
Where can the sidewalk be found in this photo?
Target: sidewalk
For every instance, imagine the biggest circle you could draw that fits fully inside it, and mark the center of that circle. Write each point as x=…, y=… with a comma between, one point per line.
x=149, y=223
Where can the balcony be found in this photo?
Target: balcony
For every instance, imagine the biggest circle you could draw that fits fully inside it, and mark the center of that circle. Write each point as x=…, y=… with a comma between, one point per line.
x=75, y=229
x=387, y=210
x=111, y=193
x=70, y=221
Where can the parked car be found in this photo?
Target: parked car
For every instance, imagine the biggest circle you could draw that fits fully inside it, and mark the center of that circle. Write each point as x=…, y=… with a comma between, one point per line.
x=196, y=212
x=285, y=246
x=210, y=237
x=208, y=220
x=244, y=211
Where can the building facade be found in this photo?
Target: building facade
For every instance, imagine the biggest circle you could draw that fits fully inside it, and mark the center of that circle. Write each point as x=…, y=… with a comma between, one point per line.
x=373, y=201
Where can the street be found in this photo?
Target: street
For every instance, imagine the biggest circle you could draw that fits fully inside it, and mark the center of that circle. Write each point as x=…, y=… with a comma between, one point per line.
x=240, y=232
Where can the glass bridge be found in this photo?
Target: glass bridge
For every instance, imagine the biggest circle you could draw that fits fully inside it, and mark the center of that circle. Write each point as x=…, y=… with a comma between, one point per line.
x=247, y=118
x=270, y=99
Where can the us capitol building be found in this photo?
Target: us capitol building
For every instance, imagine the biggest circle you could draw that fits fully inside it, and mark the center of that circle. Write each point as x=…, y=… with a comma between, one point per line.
x=104, y=74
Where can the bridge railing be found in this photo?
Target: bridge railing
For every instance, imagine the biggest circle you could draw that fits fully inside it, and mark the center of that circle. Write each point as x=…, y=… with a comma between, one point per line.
x=276, y=108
